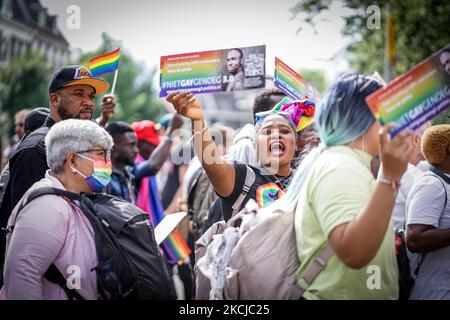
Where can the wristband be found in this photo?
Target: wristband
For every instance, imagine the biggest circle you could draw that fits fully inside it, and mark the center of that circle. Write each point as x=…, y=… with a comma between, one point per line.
x=394, y=184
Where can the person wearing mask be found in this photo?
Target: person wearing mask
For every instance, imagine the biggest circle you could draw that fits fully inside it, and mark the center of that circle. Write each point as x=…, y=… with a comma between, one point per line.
x=52, y=230
x=72, y=90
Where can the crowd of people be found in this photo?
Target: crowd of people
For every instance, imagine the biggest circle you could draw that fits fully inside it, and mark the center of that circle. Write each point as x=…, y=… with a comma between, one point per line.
x=350, y=185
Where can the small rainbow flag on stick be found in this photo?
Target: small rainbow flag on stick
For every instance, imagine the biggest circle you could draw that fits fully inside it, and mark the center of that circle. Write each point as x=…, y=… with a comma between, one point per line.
x=106, y=63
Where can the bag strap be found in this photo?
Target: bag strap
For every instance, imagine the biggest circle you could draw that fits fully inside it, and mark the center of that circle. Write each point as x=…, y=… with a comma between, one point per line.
x=52, y=274
x=438, y=174
x=36, y=193
x=249, y=179
x=319, y=263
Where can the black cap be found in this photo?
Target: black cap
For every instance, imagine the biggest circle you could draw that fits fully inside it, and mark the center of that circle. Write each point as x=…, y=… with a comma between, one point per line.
x=76, y=75
x=35, y=119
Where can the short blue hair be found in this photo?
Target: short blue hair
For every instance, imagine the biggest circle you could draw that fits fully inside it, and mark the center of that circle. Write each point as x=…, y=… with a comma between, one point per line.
x=343, y=114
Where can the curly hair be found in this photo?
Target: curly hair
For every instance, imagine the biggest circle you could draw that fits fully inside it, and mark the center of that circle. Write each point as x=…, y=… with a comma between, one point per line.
x=435, y=143
x=264, y=101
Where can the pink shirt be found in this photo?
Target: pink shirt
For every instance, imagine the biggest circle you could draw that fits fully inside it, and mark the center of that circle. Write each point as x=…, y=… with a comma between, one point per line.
x=49, y=230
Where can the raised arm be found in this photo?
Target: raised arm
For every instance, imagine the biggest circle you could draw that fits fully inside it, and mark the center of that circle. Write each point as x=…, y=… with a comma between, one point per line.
x=162, y=152
x=357, y=242
x=220, y=172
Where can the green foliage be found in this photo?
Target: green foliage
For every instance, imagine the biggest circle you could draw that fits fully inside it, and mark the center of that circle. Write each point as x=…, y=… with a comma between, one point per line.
x=317, y=78
x=422, y=27
x=23, y=84
x=135, y=97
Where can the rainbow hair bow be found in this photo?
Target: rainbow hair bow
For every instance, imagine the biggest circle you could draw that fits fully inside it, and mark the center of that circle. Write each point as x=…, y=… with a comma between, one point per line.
x=301, y=111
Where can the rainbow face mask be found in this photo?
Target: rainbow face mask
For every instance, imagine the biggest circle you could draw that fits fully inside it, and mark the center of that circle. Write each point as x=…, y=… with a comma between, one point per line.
x=101, y=175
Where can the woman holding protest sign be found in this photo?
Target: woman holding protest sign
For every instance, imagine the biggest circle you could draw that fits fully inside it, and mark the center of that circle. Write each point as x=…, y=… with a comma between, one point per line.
x=275, y=147
x=345, y=237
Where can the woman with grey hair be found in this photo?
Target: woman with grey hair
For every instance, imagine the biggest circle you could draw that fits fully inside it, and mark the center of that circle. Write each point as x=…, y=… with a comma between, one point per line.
x=52, y=230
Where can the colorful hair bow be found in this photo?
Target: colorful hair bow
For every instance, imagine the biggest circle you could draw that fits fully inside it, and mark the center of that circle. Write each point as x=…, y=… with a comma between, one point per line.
x=301, y=111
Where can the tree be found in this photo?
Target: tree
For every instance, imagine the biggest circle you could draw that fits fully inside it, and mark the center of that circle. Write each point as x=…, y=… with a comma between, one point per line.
x=23, y=83
x=135, y=97
x=317, y=78
x=421, y=28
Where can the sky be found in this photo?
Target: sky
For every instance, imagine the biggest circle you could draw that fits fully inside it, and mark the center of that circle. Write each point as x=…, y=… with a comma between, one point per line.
x=150, y=29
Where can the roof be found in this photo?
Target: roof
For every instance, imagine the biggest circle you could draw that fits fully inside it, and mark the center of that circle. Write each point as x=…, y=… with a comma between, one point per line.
x=27, y=12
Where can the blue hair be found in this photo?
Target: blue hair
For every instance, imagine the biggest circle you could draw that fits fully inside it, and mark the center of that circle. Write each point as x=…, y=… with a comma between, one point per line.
x=341, y=117
x=343, y=114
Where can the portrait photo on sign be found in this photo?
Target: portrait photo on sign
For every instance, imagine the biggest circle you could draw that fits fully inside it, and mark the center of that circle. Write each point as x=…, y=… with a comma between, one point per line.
x=442, y=61
x=243, y=68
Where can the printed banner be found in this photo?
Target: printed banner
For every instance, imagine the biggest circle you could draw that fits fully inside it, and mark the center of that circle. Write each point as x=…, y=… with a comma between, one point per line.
x=415, y=97
x=293, y=84
x=226, y=70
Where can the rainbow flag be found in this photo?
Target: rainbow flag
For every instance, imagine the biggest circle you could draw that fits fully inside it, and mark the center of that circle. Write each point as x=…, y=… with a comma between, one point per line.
x=413, y=98
x=105, y=63
x=175, y=248
x=293, y=84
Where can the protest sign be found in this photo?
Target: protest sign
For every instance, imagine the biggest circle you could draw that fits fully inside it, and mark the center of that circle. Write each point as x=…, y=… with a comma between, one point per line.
x=293, y=84
x=214, y=71
x=415, y=97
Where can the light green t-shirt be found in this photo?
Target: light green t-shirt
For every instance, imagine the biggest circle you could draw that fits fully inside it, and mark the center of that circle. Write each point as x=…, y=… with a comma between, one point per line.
x=338, y=186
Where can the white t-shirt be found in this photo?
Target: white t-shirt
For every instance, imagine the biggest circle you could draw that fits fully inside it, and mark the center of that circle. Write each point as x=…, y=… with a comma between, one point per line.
x=242, y=149
x=426, y=204
x=406, y=183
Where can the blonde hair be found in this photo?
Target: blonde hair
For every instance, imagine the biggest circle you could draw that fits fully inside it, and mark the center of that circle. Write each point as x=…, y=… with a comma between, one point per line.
x=435, y=143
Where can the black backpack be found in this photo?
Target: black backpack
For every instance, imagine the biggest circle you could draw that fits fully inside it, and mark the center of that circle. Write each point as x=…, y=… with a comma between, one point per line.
x=406, y=279
x=130, y=265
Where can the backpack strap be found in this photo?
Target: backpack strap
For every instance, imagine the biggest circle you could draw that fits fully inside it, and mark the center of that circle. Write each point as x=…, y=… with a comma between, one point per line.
x=319, y=263
x=36, y=193
x=191, y=188
x=55, y=276
x=52, y=274
x=249, y=179
x=441, y=176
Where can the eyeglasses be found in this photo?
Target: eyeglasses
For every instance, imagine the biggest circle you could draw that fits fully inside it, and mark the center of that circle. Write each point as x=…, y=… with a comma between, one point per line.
x=106, y=153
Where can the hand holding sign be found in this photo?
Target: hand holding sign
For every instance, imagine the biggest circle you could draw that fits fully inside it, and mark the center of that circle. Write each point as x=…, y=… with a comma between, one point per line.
x=186, y=104
x=415, y=97
x=395, y=153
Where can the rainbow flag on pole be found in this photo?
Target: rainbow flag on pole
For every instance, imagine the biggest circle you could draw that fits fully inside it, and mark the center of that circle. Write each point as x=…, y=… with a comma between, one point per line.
x=105, y=63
